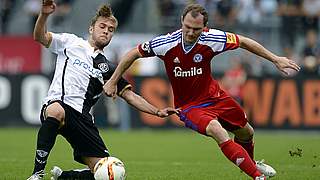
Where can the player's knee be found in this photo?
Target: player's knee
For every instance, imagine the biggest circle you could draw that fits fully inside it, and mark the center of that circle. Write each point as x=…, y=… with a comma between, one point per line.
x=249, y=132
x=213, y=127
x=245, y=134
x=215, y=130
x=91, y=162
x=55, y=110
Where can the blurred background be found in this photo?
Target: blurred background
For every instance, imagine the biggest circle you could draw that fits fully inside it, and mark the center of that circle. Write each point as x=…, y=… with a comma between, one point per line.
x=286, y=27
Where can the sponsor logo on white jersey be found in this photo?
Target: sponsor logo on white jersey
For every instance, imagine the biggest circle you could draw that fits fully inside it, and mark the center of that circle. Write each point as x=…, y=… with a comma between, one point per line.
x=178, y=72
x=94, y=72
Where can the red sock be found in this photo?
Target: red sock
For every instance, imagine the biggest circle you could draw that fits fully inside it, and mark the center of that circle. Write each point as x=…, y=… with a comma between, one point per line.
x=248, y=146
x=235, y=153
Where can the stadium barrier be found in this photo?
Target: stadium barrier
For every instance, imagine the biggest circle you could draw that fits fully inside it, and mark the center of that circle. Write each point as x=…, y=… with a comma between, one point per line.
x=19, y=55
x=272, y=102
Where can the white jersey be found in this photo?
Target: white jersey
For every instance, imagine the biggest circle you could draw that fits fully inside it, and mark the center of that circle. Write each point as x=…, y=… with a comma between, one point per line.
x=79, y=75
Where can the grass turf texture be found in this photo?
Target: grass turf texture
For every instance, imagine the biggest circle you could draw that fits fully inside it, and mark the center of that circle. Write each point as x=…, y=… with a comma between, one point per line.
x=169, y=155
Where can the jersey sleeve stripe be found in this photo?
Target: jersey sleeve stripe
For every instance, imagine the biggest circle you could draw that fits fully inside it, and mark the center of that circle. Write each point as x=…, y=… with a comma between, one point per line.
x=213, y=40
x=162, y=38
x=165, y=42
x=214, y=36
x=225, y=44
x=223, y=39
x=155, y=42
x=176, y=32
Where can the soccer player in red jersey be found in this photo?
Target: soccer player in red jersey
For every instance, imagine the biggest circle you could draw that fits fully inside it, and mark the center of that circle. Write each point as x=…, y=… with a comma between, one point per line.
x=205, y=107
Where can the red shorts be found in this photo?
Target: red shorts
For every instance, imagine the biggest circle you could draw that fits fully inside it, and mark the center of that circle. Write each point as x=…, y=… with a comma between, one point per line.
x=226, y=110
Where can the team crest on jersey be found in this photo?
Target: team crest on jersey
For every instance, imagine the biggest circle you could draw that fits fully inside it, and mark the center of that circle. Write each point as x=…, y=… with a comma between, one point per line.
x=103, y=67
x=197, y=58
x=146, y=47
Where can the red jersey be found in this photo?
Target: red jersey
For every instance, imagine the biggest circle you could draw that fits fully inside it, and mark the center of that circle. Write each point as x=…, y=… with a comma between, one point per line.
x=189, y=71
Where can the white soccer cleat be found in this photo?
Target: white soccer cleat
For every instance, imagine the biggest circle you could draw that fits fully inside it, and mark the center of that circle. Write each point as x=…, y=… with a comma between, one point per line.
x=55, y=172
x=34, y=177
x=262, y=177
x=37, y=176
x=265, y=169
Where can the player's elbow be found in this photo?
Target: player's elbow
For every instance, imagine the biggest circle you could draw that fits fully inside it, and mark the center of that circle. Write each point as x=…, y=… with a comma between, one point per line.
x=128, y=95
x=242, y=41
x=36, y=37
x=247, y=43
x=45, y=39
x=135, y=54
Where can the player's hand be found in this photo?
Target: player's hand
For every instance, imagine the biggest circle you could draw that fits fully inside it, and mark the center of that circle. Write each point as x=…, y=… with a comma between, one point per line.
x=48, y=7
x=167, y=112
x=110, y=89
x=282, y=63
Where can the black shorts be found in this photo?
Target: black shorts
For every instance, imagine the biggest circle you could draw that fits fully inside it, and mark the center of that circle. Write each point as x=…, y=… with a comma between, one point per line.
x=81, y=133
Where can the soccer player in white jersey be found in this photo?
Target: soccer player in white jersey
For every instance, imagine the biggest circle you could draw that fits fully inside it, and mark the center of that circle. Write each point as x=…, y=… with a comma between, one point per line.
x=80, y=73
x=205, y=107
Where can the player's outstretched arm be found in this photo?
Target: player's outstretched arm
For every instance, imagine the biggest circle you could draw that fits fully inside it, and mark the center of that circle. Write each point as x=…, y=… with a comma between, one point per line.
x=110, y=87
x=280, y=62
x=40, y=33
x=143, y=105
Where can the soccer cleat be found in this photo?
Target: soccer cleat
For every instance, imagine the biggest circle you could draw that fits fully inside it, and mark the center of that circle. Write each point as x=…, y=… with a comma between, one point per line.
x=262, y=177
x=37, y=176
x=55, y=172
x=265, y=169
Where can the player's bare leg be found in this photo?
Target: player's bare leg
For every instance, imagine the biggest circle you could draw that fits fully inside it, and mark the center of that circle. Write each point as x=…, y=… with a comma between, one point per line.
x=215, y=130
x=233, y=151
x=244, y=137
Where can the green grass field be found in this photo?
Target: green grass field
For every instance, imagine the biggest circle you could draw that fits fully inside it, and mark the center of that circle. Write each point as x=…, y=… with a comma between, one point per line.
x=169, y=155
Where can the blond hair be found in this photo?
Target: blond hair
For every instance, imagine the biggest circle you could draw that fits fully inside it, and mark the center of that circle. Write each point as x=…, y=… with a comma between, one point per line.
x=106, y=12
